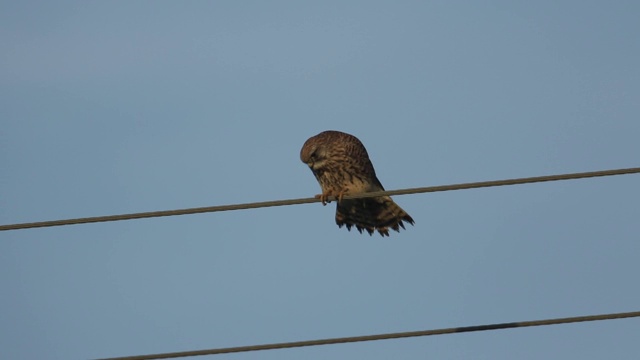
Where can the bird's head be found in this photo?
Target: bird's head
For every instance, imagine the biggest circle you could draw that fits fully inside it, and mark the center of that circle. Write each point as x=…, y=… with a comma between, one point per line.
x=313, y=154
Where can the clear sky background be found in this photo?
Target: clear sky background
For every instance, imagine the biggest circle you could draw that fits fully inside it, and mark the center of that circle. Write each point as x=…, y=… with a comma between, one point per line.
x=119, y=106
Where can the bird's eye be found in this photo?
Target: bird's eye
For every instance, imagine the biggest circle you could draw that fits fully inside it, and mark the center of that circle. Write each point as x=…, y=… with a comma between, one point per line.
x=312, y=157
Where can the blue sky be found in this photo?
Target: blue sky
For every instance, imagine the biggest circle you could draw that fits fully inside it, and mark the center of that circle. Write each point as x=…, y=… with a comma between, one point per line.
x=119, y=107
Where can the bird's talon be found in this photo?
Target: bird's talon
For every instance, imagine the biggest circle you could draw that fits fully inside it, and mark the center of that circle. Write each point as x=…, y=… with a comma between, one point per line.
x=323, y=198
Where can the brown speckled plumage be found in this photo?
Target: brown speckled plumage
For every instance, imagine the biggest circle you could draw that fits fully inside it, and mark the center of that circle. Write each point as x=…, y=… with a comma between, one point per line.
x=341, y=165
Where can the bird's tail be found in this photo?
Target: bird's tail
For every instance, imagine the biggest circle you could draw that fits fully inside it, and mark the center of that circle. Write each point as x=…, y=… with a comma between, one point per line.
x=372, y=214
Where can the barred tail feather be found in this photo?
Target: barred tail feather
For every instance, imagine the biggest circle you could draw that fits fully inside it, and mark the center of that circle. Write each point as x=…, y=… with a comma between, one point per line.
x=371, y=214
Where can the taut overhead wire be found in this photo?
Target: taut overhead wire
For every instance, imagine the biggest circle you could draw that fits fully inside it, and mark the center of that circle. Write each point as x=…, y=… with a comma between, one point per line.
x=255, y=205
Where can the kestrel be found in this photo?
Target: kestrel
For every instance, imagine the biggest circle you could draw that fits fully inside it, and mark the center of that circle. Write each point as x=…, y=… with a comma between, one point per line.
x=341, y=165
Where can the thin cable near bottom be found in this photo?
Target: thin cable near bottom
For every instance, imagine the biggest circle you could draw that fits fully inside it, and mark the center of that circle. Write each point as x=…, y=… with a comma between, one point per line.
x=387, y=336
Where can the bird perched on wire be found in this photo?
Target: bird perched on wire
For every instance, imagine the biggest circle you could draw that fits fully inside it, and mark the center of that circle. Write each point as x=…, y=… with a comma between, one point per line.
x=341, y=165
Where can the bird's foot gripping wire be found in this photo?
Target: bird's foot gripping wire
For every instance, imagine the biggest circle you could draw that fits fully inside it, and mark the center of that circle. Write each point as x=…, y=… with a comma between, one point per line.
x=324, y=197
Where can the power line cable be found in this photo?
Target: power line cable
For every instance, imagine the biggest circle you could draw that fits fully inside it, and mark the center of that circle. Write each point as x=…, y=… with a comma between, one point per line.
x=255, y=205
x=387, y=336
